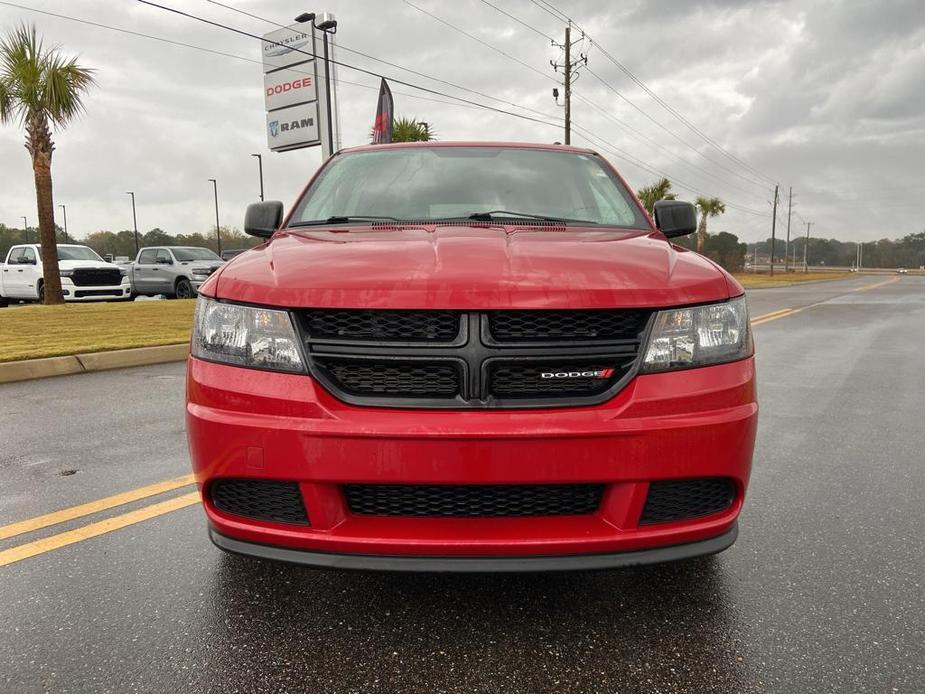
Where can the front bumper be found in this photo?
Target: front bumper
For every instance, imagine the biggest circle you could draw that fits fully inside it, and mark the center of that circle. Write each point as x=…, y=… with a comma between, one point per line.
x=436, y=564
x=252, y=424
x=73, y=292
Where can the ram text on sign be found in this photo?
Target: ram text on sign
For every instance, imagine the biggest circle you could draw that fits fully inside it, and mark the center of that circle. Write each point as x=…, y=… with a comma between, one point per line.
x=289, y=86
x=294, y=126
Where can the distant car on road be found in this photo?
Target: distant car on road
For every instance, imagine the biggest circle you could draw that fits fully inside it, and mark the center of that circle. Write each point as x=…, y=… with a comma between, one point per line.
x=172, y=270
x=228, y=255
x=901, y=271
x=85, y=276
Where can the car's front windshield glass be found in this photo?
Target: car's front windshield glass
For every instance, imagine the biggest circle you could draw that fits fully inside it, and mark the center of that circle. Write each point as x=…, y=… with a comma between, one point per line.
x=437, y=183
x=185, y=254
x=77, y=253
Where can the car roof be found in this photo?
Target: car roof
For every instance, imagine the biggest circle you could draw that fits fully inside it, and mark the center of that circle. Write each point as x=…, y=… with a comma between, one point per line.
x=460, y=143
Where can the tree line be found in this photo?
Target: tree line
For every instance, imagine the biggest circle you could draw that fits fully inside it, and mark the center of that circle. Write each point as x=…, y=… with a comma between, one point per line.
x=907, y=252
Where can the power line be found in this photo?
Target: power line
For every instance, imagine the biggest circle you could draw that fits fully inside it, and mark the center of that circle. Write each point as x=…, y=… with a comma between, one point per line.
x=342, y=47
x=519, y=21
x=661, y=101
x=649, y=140
x=624, y=154
x=477, y=39
x=347, y=65
x=223, y=54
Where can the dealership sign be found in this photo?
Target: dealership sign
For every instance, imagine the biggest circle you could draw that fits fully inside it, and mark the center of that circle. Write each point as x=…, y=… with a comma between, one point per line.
x=293, y=127
x=293, y=71
x=289, y=86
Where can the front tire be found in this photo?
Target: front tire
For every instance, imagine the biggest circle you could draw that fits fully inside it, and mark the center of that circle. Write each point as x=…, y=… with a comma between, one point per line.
x=184, y=289
x=41, y=291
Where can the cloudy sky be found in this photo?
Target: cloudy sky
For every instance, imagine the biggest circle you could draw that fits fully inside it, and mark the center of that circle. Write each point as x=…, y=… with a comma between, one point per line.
x=826, y=97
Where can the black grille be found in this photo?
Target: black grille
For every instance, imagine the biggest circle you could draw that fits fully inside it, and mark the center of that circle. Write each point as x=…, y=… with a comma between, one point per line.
x=79, y=293
x=383, y=326
x=96, y=277
x=265, y=500
x=519, y=380
x=473, y=501
x=533, y=326
x=472, y=359
x=682, y=499
x=394, y=378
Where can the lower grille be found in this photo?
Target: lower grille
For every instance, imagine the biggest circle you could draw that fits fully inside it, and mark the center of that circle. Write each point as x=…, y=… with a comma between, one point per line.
x=473, y=501
x=394, y=378
x=96, y=277
x=266, y=500
x=675, y=500
x=79, y=293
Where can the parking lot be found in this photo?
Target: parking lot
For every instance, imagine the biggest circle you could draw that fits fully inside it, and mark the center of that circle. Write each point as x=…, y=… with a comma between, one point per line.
x=822, y=592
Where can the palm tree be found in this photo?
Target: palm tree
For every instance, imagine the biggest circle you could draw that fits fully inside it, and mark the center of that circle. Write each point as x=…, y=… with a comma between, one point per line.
x=40, y=88
x=709, y=207
x=411, y=130
x=660, y=190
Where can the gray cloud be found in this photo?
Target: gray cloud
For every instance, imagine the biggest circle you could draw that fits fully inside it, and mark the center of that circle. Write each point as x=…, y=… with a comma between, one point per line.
x=825, y=97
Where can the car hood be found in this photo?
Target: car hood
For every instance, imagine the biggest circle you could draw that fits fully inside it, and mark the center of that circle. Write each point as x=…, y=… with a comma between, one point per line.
x=95, y=264
x=470, y=267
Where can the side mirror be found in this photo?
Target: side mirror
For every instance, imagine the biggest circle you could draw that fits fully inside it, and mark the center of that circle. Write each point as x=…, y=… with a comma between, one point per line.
x=27, y=261
x=675, y=218
x=163, y=261
x=263, y=218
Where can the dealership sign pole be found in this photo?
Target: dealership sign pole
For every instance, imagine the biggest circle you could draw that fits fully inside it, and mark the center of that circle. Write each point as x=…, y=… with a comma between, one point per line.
x=297, y=110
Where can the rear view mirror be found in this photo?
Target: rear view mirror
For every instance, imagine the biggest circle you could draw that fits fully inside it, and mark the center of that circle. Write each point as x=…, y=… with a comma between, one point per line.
x=675, y=218
x=263, y=218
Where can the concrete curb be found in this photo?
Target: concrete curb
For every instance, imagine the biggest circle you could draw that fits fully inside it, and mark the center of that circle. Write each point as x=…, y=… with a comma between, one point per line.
x=85, y=363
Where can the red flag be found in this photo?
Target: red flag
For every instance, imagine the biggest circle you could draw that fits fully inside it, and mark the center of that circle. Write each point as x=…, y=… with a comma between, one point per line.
x=382, y=126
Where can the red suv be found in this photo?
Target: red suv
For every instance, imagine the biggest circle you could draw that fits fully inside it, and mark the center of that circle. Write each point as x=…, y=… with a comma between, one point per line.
x=471, y=357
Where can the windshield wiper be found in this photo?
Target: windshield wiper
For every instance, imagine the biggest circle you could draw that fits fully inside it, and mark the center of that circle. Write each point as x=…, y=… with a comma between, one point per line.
x=492, y=215
x=339, y=219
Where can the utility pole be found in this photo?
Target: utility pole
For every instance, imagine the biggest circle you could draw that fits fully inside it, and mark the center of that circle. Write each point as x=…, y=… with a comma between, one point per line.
x=64, y=212
x=568, y=85
x=260, y=169
x=805, y=247
x=570, y=74
x=787, y=243
x=774, y=227
x=134, y=219
x=218, y=229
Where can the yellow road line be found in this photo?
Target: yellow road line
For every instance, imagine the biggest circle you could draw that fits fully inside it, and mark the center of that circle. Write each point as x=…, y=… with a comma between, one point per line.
x=774, y=316
x=771, y=314
x=47, y=544
x=92, y=507
x=876, y=284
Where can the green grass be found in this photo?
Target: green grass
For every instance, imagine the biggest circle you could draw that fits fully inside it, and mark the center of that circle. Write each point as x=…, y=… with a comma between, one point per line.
x=751, y=280
x=32, y=332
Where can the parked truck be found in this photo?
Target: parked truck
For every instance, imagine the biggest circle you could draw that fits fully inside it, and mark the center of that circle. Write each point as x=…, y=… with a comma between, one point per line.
x=85, y=276
x=176, y=271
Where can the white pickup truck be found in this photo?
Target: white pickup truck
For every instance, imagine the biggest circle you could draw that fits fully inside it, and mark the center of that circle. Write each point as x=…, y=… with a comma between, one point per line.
x=84, y=275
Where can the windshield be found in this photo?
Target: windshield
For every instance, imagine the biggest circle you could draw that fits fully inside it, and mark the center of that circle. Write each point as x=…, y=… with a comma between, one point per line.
x=77, y=253
x=422, y=184
x=184, y=254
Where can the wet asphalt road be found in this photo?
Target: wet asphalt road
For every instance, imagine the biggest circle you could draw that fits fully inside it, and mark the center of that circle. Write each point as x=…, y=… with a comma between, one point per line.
x=823, y=591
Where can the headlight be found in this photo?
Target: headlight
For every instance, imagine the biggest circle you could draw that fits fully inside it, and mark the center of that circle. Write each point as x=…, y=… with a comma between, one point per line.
x=699, y=336
x=245, y=336
x=123, y=271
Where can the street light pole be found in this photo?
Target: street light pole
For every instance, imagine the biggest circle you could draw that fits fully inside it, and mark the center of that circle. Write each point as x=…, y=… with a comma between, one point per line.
x=64, y=212
x=134, y=218
x=218, y=229
x=25, y=227
x=260, y=168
